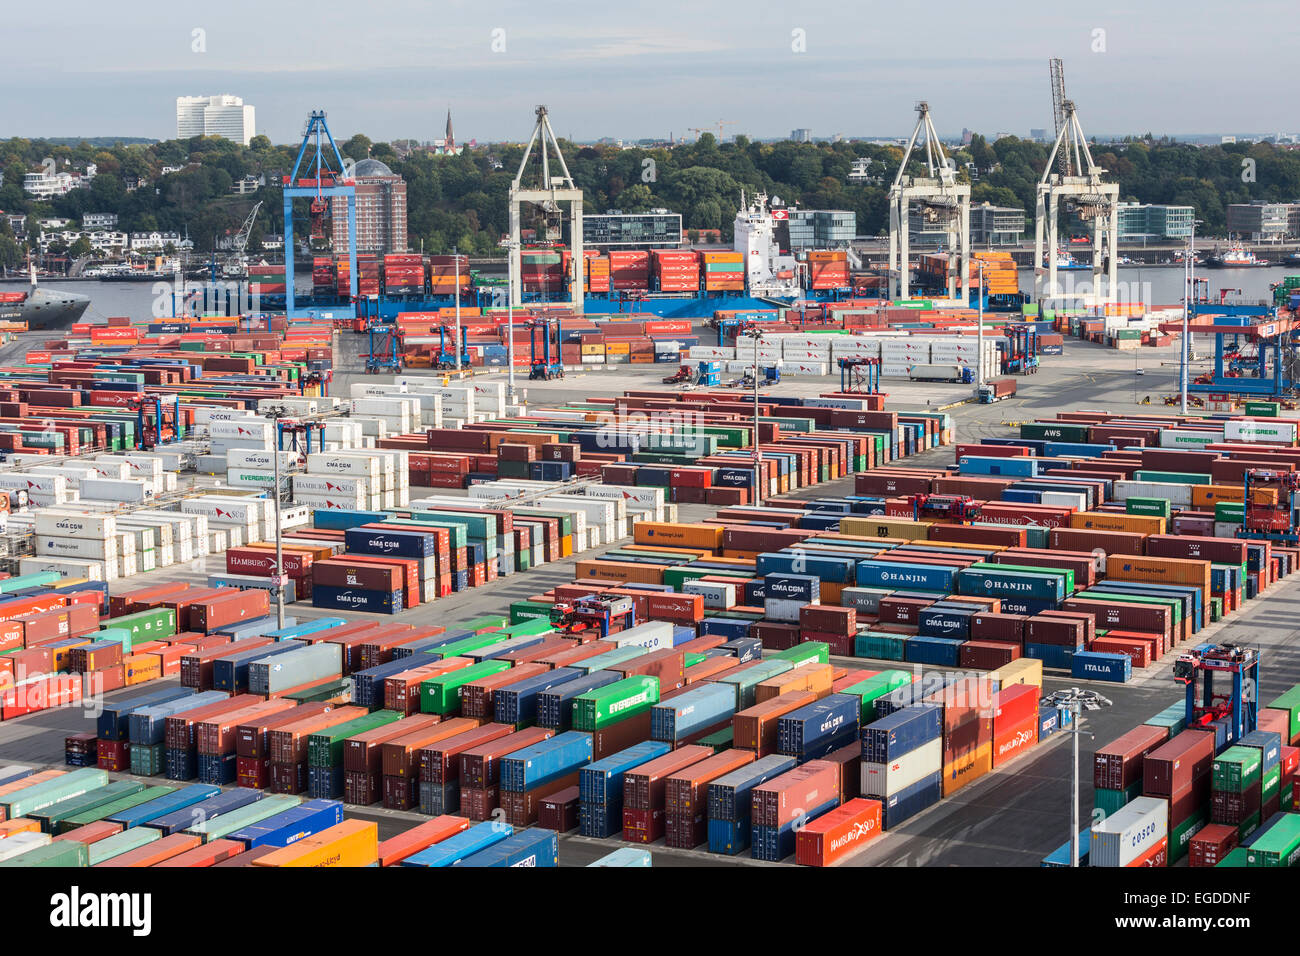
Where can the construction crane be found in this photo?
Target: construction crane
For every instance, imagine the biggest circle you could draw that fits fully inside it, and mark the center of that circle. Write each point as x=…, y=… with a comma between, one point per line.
x=1084, y=193
x=318, y=177
x=550, y=191
x=942, y=201
x=697, y=130
x=236, y=263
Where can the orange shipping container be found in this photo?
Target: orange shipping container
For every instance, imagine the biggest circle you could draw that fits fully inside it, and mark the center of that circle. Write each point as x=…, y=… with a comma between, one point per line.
x=350, y=843
x=679, y=535
x=816, y=679
x=591, y=570
x=1160, y=571
x=1108, y=521
x=155, y=852
x=398, y=848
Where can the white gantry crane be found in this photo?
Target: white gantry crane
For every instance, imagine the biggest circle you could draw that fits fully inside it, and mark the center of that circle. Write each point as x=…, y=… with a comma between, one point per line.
x=551, y=190
x=1078, y=181
x=941, y=200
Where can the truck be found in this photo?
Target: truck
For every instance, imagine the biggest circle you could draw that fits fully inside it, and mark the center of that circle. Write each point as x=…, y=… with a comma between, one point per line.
x=996, y=390
x=941, y=373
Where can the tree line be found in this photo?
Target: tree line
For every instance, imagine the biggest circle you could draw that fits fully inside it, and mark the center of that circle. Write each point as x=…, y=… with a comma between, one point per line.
x=461, y=201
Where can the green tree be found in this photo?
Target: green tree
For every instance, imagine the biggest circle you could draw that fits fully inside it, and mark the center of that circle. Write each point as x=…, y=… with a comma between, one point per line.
x=81, y=247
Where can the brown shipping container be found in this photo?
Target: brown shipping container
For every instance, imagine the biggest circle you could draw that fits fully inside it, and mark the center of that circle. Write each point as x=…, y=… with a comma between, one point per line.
x=1130, y=616
x=1118, y=765
x=1009, y=628
x=400, y=756
x=364, y=752
x=1107, y=542
x=1178, y=764
x=288, y=744
x=479, y=765
x=219, y=736
x=644, y=787
x=687, y=791
x=441, y=762
x=250, y=736
x=755, y=727
x=523, y=808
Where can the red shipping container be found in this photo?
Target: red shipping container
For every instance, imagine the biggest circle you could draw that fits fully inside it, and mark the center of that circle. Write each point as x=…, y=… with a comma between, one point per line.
x=1013, y=705
x=781, y=800
x=836, y=835
x=1176, y=765
x=987, y=655
x=1118, y=765
x=1005, y=628
x=1211, y=844
x=1055, y=631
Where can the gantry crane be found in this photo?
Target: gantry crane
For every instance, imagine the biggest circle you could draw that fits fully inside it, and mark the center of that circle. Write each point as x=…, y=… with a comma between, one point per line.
x=547, y=195
x=321, y=177
x=1079, y=184
x=942, y=201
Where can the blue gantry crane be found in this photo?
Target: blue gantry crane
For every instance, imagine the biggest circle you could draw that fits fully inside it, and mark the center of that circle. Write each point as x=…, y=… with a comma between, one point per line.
x=318, y=174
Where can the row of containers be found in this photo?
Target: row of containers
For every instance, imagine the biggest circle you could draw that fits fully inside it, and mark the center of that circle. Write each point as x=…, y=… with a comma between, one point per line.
x=697, y=446
x=649, y=732
x=80, y=818
x=1169, y=790
x=78, y=395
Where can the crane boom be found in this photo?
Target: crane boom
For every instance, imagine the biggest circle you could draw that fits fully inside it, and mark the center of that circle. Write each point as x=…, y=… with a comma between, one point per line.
x=1057, y=68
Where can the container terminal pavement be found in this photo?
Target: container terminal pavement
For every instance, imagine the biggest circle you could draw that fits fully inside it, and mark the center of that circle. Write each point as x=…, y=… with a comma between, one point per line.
x=1015, y=814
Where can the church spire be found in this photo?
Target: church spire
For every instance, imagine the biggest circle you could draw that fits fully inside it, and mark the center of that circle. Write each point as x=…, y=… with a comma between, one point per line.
x=451, y=138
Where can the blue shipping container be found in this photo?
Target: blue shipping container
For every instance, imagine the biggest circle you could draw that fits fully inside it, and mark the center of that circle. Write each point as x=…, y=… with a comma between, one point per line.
x=901, y=732
x=695, y=709
x=531, y=847
x=548, y=760
x=463, y=844
x=208, y=809
x=292, y=825
x=940, y=651
x=816, y=729
x=910, y=801
x=113, y=722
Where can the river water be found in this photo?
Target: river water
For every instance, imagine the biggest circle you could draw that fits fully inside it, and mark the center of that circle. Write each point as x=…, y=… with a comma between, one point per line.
x=1153, y=286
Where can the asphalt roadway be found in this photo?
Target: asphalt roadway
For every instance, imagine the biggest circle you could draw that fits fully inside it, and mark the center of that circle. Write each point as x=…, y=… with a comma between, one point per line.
x=1012, y=816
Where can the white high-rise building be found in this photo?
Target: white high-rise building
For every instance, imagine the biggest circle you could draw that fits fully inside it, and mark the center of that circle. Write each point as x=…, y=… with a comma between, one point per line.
x=224, y=115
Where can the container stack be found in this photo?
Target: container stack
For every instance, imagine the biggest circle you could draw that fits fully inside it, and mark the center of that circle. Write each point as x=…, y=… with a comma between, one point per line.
x=542, y=270
x=403, y=274
x=723, y=271
x=828, y=269
x=443, y=272
x=597, y=272
x=676, y=270
x=629, y=270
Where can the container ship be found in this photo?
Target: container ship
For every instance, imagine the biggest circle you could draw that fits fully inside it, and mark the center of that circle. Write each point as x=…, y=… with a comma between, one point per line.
x=691, y=283
x=41, y=309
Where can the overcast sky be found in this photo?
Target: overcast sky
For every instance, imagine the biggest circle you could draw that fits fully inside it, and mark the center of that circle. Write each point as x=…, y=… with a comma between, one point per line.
x=391, y=68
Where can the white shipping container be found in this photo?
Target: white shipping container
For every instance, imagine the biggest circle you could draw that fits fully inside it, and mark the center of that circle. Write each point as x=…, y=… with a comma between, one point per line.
x=653, y=635
x=68, y=567
x=804, y=368
x=51, y=489
x=326, y=502
x=1180, y=496
x=127, y=490
x=1129, y=832
x=354, y=465
x=1262, y=430
x=101, y=550
x=708, y=352
x=882, y=780
x=216, y=508
x=75, y=524
x=257, y=459
x=717, y=597
x=242, y=429
x=1065, y=499
x=1188, y=438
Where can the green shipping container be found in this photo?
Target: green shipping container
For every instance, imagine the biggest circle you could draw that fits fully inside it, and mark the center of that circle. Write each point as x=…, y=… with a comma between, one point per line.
x=1111, y=801
x=1180, y=837
x=1157, y=507
x=746, y=680
x=441, y=694
x=1263, y=409
x=1290, y=703
x=614, y=702
x=1054, y=431
x=217, y=827
x=612, y=658
x=325, y=749
x=1235, y=859
x=1172, y=477
x=881, y=647
x=120, y=843
x=38, y=796
x=521, y=611
x=1173, y=718
x=456, y=648
x=1280, y=846
x=107, y=810
x=1236, y=769
x=809, y=652
x=151, y=625
x=64, y=853
x=1270, y=781
x=722, y=740
x=55, y=814
x=1230, y=511
x=876, y=686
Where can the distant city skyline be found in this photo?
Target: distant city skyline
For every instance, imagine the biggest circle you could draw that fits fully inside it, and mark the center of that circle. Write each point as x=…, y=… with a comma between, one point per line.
x=766, y=67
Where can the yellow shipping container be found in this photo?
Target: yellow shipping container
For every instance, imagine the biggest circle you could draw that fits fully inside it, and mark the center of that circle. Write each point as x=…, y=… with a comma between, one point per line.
x=875, y=527
x=350, y=843
x=1023, y=670
x=593, y=349
x=139, y=668
x=678, y=534
x=967, y=768
x=1108, y=521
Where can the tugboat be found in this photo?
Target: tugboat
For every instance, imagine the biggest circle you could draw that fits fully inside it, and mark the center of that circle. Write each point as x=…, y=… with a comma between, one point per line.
x=1237, y=256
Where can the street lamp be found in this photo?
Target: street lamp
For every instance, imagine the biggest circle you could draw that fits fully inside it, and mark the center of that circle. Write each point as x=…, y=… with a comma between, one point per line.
x=275, y=413
x=1070, y=704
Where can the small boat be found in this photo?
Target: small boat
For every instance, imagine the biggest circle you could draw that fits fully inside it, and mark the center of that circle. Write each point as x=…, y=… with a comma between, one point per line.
x=1235, y=257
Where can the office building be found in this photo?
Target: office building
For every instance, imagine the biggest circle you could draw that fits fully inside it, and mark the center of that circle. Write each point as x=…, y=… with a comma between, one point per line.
x=821, y=228
x=225, y=116
x=1262, y=221
x=996, y=225
x=1148, y=222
